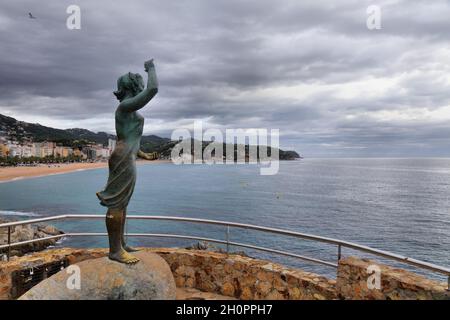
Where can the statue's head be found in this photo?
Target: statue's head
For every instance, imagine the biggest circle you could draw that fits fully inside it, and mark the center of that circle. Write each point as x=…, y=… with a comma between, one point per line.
x=129, y=84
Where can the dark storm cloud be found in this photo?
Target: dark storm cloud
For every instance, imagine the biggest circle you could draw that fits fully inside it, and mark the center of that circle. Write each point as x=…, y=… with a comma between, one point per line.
x=310, y=68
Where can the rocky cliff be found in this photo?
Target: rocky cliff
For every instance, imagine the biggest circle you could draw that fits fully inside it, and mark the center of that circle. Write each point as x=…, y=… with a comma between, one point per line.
x=28, y=232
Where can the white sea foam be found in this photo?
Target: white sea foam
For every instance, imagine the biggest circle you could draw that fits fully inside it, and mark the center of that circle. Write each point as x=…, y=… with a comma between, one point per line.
x=17, y=213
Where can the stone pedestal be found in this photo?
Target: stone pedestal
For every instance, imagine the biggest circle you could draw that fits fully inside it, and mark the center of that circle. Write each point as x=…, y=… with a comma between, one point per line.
x=104, y=279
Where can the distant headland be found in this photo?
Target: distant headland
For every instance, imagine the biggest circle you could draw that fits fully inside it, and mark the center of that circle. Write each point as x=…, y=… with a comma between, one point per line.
x=31, y=143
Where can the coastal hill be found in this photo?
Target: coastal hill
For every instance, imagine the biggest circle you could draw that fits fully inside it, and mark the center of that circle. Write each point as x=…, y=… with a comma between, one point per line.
x=24, y=132
x=34, y=132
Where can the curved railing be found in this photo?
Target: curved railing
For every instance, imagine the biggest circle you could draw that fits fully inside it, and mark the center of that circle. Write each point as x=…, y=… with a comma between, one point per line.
x=338, y=243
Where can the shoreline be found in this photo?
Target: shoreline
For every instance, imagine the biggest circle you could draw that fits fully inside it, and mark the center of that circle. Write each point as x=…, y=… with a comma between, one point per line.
x=11, y=174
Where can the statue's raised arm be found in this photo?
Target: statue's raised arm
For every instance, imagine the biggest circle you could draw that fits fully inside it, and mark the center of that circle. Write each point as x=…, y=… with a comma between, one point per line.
x=134, y=83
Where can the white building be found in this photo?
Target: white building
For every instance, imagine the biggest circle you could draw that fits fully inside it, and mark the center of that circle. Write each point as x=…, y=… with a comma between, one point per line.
x=103, y=152
x=15, y=150
x=98, y=151
x=27, y=151
x=44, y=149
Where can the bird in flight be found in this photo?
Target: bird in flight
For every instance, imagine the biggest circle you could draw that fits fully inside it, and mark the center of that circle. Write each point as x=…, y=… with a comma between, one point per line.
x=31, y=16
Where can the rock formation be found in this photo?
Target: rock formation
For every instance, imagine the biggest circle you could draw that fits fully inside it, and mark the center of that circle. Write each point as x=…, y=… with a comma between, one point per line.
x=104, y=279
x=28, y=232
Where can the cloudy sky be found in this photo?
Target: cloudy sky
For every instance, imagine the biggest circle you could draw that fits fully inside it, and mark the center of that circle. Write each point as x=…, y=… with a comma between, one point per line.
x=310, y=68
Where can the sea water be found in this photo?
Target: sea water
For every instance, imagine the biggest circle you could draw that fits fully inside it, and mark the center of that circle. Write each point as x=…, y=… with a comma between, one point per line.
x=399, y=205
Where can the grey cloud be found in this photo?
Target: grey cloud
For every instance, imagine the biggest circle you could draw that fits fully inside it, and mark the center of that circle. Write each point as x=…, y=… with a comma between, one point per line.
x=208, y=54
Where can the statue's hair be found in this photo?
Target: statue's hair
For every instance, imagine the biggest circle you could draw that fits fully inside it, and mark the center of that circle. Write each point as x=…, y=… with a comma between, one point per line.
x=128, y=83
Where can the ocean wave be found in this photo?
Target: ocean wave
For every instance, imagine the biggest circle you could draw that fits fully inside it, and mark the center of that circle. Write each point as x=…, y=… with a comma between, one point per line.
x=17, y=213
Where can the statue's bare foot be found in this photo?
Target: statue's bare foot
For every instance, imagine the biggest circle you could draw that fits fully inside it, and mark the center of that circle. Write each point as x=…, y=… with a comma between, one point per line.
x=123, y=257
x=129, y=249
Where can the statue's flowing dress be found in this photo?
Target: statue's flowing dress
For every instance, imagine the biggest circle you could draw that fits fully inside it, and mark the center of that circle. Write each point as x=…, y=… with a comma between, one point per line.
x=122, y=163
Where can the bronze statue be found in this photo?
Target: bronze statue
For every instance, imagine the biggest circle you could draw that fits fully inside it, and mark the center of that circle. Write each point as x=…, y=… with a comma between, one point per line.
x=122, y=163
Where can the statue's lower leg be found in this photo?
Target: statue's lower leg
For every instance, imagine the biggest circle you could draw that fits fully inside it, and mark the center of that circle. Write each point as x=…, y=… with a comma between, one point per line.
x=124, y=244
x=114, y=226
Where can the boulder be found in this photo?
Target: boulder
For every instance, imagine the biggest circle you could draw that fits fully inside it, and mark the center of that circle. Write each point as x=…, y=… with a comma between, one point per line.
x=204, y=245
x=104, y=279
x=28, y=232
x=48, y=230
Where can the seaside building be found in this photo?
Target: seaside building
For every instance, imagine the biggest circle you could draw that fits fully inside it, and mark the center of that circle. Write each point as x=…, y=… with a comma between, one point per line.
x=44, y=149
x=103, y=152
x=27, y=151
x=79, y=153
x=15, y=150
x=4, y=150
x=62, y=152
x=91, y=153
x=96, y=152
x=67, y=151
x=50, y=149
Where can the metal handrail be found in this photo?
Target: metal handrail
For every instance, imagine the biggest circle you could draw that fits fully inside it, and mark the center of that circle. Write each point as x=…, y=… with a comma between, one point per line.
x=176, y=236
x=339, y=243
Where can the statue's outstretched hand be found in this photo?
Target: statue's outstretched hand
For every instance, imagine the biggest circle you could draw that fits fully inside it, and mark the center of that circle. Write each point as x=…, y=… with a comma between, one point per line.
x=148, y=64
x=141, y=154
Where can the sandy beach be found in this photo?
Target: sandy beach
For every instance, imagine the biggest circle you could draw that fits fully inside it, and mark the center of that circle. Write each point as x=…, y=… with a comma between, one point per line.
x=18, y=173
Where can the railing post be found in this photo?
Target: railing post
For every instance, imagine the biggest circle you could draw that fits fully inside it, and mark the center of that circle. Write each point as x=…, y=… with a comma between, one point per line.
x=9, y=243
x=339, y=252
x=448, y=283
x=228, y=239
